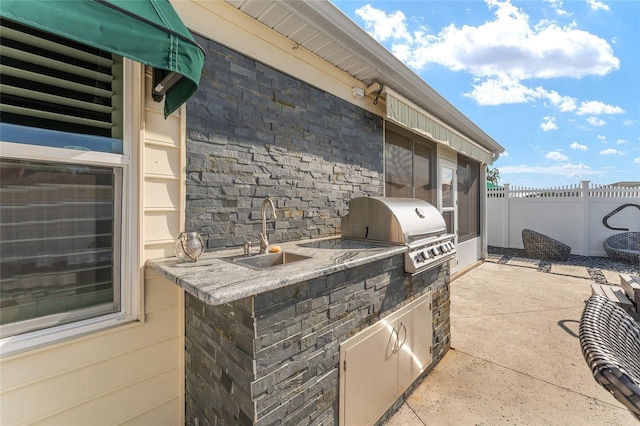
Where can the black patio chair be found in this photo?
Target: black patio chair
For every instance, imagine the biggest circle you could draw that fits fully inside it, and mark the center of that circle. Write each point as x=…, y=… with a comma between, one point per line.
x=610, y=341
x=624, y=247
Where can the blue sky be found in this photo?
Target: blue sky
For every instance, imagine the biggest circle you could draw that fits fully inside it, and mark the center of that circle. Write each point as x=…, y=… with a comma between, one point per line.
x=556, y=83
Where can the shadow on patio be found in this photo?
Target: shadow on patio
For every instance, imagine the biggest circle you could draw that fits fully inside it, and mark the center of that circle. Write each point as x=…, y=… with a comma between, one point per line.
x=515, y=356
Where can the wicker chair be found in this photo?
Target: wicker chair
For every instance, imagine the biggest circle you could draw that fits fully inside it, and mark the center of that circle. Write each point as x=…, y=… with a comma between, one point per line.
x=539, y=246
x=610, y=341
x=624, y=247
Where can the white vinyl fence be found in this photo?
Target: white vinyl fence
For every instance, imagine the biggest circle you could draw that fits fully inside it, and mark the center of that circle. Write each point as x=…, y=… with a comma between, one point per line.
x=573, y=215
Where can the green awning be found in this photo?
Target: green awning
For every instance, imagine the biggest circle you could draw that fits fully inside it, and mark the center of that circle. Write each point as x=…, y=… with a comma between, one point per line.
x=146, y=31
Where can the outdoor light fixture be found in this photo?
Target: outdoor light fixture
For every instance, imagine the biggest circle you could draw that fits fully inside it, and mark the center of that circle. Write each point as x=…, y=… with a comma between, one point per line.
x=374, y=89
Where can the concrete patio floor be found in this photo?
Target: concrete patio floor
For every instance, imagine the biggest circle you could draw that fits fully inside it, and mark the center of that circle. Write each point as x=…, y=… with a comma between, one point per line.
x=515, y=357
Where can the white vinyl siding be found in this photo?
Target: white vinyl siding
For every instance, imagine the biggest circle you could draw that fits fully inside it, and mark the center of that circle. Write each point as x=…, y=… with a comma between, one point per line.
x=131, y=374
x=128, y=369
x=67, y=187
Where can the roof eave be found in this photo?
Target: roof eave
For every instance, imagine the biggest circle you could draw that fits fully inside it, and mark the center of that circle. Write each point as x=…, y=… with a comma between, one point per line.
x=334, y=24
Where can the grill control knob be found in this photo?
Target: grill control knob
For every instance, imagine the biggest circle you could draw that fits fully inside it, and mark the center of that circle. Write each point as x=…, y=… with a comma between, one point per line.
x=435, y=251
x=424, y=255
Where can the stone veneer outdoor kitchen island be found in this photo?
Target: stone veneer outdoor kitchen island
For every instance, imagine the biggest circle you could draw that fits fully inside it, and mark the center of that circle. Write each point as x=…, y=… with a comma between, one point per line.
x=263, y=346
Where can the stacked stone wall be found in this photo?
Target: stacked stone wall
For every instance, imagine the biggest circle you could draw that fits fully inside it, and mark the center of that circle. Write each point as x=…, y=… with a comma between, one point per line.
x=253, y=131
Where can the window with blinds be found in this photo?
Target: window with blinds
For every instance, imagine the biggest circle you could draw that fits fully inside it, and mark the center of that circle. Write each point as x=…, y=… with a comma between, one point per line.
x=60, y=219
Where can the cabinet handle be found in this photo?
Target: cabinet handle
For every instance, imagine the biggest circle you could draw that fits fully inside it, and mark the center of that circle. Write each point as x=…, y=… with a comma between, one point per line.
x=395, y=346
x=402, y=325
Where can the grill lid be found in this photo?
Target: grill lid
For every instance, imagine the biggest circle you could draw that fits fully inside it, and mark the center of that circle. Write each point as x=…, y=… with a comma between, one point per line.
x=394, y=220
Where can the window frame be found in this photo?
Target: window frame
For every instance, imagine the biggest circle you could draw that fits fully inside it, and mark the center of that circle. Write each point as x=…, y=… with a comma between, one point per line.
x=449, y=211
x=130, y=256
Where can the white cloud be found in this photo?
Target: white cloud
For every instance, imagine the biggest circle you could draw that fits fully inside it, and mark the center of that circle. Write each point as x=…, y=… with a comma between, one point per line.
x=598, y=108
x=501, y=53
x=611, y=151
x=548, y=124
x=556, y=156
x=629, y=122
x=504, y=154
x=504, y=89
x=597, y=5
x=510, y=44
x=601, y=137
x=564, y=103
x=595, y=121
x=621, y=141
x=384, y=26
x=579, y=147
x=636, y=160
x=500, y=90
x=567, y=170
x=557, y=6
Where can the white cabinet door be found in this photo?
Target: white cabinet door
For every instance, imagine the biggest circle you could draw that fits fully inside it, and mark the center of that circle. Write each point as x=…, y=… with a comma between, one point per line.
x=370, y=376
x=415, y=331
x=381, y=362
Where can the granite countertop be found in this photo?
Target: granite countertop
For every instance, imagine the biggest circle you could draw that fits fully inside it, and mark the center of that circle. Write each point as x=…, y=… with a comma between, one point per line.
x=215, y=281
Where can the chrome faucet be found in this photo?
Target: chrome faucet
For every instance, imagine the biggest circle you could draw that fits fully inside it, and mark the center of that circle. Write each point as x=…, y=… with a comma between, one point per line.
x=264, y=242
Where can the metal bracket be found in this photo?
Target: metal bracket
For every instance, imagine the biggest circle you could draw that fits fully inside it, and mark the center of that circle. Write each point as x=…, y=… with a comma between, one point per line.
x=162, y=82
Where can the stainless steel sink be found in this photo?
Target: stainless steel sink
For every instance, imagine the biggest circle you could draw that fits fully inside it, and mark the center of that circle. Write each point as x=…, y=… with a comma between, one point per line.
x=270, y=260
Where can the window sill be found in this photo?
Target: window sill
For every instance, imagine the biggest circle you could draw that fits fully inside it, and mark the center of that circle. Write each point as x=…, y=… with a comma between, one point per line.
x=41, y=339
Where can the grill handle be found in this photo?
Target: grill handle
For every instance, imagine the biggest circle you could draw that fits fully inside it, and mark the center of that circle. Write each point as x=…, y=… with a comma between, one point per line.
x=418, y=236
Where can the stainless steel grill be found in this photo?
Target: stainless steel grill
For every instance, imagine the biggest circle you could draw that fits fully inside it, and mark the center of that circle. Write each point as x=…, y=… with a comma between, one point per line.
x=408, y=221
